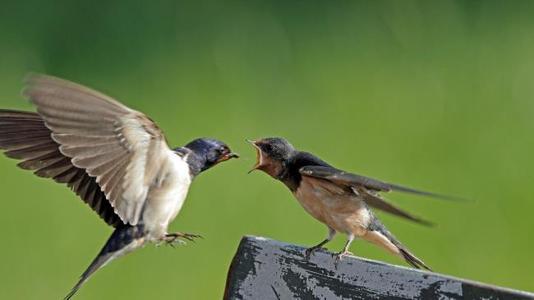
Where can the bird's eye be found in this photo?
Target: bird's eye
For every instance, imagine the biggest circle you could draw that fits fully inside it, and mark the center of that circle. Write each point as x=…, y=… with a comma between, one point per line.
x=268, y=147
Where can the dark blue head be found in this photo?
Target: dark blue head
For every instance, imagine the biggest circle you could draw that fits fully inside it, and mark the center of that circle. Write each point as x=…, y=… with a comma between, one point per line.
x=207, y=153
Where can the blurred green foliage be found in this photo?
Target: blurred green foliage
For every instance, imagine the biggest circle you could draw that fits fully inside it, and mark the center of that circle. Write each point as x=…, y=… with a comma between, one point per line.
x=432, y=94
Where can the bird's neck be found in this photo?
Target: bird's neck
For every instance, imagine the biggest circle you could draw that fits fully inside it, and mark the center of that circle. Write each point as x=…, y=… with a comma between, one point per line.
x=195, y=161
x=290, y=175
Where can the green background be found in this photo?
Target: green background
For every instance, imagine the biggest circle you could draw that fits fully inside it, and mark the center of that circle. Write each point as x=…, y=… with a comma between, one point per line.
x=436, y=95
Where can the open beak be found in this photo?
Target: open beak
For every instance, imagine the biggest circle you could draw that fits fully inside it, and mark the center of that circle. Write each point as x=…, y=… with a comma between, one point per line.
x=228, y=156
x=258, y=155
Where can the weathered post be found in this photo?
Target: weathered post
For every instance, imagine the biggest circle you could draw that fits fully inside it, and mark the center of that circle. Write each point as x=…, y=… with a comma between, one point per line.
x=267, y=269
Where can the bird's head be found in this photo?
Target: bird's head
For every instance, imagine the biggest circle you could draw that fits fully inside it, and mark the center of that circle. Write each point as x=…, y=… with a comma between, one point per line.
x=209, y=152
x=273, y=154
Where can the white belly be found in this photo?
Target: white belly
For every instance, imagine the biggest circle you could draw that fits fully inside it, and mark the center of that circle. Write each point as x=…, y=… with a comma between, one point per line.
x=166, y=197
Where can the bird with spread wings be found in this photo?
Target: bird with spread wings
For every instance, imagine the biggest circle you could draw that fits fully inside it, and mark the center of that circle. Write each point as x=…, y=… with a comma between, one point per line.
x=114, y=158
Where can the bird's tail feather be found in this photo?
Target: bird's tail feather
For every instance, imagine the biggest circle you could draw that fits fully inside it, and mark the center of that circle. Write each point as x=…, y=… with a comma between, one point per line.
x=381, y=236
x=123, y=240
x=413, y=260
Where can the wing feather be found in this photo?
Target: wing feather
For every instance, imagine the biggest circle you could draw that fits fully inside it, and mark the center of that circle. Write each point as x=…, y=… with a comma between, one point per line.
x=32, y=151
x=66, y=176
x=54, y=168
x=21, y=142
x=101, y=136
x=42, y=161
x=42, y=155
x=80, y=141
x=376, y=201
x=76, y=90
x=365, y=187
x=350, y=179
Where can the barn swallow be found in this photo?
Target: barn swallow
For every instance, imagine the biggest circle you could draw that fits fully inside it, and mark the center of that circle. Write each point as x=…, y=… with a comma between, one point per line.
x=336, y=198
x=115, y=158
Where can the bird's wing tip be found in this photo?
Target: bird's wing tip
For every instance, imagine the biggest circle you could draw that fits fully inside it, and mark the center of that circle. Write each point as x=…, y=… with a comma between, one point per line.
x=428, y=223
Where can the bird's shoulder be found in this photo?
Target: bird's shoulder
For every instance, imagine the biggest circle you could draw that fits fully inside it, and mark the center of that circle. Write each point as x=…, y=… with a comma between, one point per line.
x=299, y=160
x=303, y=159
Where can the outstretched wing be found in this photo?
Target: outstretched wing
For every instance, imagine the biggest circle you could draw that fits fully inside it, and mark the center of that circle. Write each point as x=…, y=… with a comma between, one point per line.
x=119, y=147
x=24, y=136
x=365, y=187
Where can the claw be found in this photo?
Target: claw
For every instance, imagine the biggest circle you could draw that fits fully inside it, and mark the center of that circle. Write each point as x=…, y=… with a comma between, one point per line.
x=308, y=252
x=339, y=256
x=178, y=237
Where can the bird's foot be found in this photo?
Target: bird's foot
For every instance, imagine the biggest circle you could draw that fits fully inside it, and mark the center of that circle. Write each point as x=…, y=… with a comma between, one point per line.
x=339, y=256
x=308, y=252
x=178, y=238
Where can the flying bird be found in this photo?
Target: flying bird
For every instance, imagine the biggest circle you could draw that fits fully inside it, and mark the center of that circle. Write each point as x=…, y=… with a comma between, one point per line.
x=114, y=158
x=336, y=198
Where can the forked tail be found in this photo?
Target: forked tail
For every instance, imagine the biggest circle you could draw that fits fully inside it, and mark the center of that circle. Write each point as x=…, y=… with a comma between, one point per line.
x=379, y=235
x=412, y=259
x=123, y=240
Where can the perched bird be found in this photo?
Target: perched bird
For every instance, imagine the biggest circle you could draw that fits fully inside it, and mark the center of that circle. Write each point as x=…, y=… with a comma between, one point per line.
x=115, y=158
x=336, y=198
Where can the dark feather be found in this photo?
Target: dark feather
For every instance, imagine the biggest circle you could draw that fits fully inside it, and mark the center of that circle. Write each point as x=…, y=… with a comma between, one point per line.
x=32, y=151
x=374, y=200
x=40, y=153
x=115, y=247
x=365, y=187
x=349, y=179
x=409, y=257
x=413, y=260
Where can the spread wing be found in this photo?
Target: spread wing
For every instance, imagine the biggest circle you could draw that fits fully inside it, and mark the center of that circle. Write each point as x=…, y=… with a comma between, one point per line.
x=367, y=188
x=24, y=136
x=120, y=148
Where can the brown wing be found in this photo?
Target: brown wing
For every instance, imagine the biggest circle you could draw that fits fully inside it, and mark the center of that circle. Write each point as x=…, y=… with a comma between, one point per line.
x=118, y=146
x=367, y=188
x=24, y=136
x=373, y=199
x=350, y=179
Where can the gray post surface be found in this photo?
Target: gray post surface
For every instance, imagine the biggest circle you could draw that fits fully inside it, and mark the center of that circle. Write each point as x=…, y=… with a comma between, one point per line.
x=268, y=269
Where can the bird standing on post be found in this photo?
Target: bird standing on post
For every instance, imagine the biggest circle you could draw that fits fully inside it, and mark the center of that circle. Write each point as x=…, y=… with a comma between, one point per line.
x=338, y=199
x=115, y=158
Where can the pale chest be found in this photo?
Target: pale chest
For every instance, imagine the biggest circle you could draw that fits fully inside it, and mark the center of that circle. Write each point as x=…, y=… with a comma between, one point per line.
x=332, y=206
x=168, y=194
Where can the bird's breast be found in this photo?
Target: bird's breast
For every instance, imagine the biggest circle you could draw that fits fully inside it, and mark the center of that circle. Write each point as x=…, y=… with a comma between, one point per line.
x=333, y=206
x=167, y=195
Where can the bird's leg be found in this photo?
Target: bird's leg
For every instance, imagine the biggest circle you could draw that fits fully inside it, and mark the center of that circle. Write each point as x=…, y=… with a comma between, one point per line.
x=345, y=251
x=331, y=234
x=178, y=237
